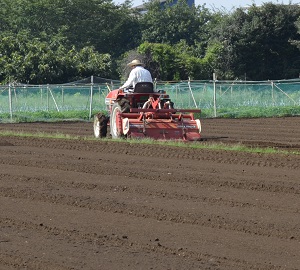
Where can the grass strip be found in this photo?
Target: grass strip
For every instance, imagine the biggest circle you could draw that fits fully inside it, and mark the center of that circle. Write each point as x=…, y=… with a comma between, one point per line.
x=193, y=145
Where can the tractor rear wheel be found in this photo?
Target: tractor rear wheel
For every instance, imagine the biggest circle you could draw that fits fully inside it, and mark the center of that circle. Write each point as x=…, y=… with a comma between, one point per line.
x=115, y=122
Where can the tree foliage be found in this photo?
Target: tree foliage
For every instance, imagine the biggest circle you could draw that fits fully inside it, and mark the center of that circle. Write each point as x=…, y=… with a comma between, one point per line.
x=296, y=42
x=53, y=41
x=171, y=23
x=109, y=28
x=257, y=42
x=174, y=62
x=27, y=59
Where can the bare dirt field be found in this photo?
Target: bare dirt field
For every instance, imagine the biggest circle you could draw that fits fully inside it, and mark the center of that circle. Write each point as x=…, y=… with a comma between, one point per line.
x=93, y=204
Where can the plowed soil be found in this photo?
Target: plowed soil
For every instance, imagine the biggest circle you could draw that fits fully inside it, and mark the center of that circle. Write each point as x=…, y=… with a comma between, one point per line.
x=95, y=204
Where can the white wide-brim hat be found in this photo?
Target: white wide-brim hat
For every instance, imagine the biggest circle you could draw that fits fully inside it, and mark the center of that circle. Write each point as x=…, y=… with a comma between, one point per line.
x=135, y=62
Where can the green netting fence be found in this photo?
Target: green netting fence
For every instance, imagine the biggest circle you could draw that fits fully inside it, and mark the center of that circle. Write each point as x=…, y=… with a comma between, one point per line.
x=86, y=97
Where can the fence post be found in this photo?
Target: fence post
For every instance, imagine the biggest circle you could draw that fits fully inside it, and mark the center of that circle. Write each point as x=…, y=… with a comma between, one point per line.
x=41, y=92
x=215, y=95
x=62, y=96
x=99, y=89
x=91, y=96
x=10, y=102
x=47, y=97
x=272, y=87
x=192, y=94
x=53, y=99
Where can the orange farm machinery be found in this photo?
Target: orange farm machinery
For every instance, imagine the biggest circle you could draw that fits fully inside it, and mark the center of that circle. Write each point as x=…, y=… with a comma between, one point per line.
x=144, y=113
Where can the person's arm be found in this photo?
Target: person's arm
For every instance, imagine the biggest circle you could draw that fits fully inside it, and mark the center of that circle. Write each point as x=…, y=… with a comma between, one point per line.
x=130, y=80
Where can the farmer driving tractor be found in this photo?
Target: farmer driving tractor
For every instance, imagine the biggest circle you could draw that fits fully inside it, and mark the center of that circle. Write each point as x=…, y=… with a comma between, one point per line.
x=137, y=74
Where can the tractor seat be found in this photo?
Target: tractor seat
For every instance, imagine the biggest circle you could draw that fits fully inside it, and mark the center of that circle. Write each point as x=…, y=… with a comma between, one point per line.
x=143, y=87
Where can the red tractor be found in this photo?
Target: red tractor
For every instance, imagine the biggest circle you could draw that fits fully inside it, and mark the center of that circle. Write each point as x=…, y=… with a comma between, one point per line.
x=144, y=113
